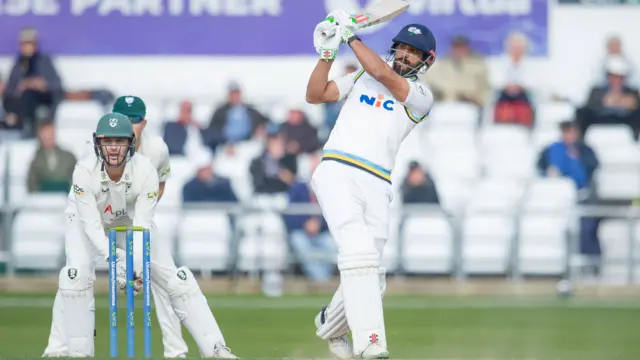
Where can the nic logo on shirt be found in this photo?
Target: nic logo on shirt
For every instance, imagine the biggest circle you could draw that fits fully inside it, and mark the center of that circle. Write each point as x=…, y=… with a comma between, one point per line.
x=378, y=102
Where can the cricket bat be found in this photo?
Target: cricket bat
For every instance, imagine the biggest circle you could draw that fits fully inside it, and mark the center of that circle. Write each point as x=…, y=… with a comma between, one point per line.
x=379, y=12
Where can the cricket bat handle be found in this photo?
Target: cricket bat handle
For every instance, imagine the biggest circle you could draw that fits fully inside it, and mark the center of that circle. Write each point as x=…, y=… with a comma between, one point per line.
x=329, y=33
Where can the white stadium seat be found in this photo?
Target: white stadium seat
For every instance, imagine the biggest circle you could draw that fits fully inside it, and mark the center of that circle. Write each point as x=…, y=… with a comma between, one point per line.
x=154, y=116
x=202, y=113
x=504, y=137
x=79, y=115
x=619, y=274
x=517, y=162
x=21, y=153
x=542, y=247
x=411, y=149
x=205, y=240
x=262, y=244
x=619, y=173
x=551, y=114
x=543, y=137
x=391, y=251
x=614, y=236
x=182, y=171
x=550, y=194
x=441, y=140
x=54, y=202
x=499, y=195
x=486, y=243
x=453, y=192
x=38, y=247
x=235, y=166
x=460, y=163
x=77, y=141
x=427, y=244
x=601, y=136
x=454, y=114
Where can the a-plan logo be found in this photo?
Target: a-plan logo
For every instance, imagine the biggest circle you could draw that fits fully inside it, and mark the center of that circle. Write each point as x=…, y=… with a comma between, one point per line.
x=377, y=101
x=119, y=213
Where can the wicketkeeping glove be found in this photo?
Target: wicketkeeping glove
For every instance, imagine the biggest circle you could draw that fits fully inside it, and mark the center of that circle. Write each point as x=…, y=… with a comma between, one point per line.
x=121, y=273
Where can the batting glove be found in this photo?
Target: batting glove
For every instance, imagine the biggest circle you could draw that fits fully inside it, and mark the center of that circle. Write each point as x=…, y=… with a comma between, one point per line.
x=344, y=20
x=325, y=40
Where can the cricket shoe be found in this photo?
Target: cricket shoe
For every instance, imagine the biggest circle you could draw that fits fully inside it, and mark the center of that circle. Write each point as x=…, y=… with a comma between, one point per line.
x=374, y=351
x=55, y=355
x=223, y=352
x=339, y=346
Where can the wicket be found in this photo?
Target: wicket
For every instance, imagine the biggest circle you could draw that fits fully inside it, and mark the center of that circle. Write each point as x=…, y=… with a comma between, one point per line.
x=113, y=291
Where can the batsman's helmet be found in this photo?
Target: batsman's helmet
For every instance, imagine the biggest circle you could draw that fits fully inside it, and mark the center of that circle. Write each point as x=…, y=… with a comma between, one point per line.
x=114, y=125
x=421, y=38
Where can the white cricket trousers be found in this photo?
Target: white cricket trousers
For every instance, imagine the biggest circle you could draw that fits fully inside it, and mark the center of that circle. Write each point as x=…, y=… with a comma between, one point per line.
x=347, y=194
x=356, y=206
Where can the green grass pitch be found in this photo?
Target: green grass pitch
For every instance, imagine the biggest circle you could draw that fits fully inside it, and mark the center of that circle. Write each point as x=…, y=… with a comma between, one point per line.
x=417, y=328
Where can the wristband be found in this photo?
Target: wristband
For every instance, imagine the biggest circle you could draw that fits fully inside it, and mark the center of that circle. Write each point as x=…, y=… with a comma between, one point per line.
x=351, y=39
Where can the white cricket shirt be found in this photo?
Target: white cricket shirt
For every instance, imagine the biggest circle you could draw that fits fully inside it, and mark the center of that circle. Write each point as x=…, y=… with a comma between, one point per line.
x=372, y=123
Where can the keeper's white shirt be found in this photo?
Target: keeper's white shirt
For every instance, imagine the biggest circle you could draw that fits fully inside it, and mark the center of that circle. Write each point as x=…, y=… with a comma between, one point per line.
x=372, y=123
x=99, y=202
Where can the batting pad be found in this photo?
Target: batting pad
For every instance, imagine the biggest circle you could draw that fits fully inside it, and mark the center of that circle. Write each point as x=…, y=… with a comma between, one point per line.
x=363, y=307
x=78, y=310
x=335, y=319
x=193, y=310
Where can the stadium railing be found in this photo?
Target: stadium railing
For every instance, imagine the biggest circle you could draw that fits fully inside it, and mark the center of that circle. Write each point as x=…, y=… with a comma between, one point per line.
x=574, y=260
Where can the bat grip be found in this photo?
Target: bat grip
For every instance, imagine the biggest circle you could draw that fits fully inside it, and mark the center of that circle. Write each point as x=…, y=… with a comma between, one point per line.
x=329, y=33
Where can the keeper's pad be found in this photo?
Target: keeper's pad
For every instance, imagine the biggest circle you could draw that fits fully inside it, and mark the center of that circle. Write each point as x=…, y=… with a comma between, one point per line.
x=78, y=310
x=193, y=310
x=174, y=345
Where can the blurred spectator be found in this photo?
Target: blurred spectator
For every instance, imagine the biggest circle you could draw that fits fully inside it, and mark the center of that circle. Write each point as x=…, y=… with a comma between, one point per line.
x=614, y=50
x=462, y=76
x=34, y=88
x=572, y=158
x=234, y=121
x=52, y=167
x=274, y=171
x=332, y=110
x=614, y=103
x=300, y=136
x=206, y=186
x=419, y=187
x=515, y=83
x=309, y=234
x=184, y=136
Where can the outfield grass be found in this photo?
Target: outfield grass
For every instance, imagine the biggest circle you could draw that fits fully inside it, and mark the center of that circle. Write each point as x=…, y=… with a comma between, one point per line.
x=417, y=328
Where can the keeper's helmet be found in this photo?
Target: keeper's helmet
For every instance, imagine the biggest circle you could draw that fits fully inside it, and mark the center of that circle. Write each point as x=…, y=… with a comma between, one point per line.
x=413, y=50
x=114, y=140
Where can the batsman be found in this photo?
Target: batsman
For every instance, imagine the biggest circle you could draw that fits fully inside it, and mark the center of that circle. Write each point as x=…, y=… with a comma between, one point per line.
x=116, y=186
x=383, y=103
